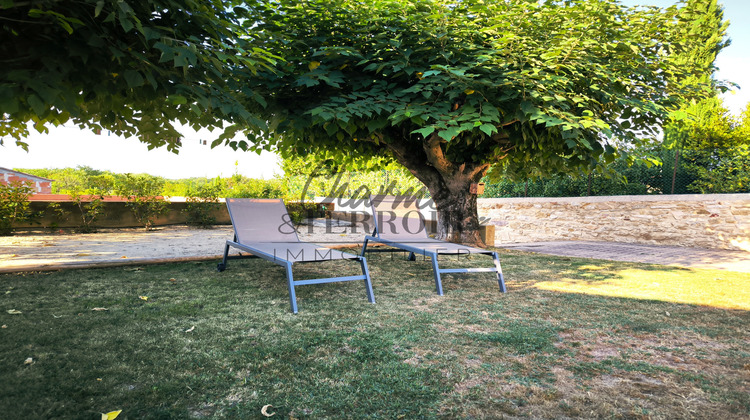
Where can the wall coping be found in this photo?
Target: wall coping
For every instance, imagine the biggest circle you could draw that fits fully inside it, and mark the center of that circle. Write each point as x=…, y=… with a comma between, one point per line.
x=620, y=198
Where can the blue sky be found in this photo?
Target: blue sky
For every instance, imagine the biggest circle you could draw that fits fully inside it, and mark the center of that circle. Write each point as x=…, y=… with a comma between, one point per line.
x=70, y=147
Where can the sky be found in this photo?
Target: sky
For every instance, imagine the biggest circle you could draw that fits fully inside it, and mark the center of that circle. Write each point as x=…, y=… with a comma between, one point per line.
x=68, y=146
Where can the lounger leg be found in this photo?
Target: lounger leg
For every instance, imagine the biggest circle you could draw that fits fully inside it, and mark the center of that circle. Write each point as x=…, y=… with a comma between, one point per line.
x=226, y=255
x=290, y=282
x=223, y=266
x=364, y=248
x=500, y=279
x=368, y=282
x=412, y=257
x=436, y=270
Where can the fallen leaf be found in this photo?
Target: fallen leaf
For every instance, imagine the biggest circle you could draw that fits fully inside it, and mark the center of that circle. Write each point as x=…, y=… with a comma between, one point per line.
x=143, y=297
x=264, y=410
x=100, y=309
x=112, y=415
x=124, y=256
x=14, y=312
x=28, y=361
x=191, y=329
x=83, y=254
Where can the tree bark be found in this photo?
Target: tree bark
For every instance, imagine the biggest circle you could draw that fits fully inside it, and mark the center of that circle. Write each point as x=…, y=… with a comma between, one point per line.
x=448, y=184
x=458, y=220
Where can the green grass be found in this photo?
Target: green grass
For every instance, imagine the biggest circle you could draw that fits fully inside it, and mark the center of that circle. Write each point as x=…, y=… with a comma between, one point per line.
x=568, y=339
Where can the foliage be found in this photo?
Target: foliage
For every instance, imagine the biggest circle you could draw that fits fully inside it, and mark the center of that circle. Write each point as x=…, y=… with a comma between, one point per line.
x=720, y=170
x=531, y=86
x=14, y=205
x=68, y=180
x=131, y=67
x=90, y=207
x=144, y=199
x=450, y=89
x=242, y=187
x=713, y=146
x=301, y=211
x=319, y=175
x=202, y=203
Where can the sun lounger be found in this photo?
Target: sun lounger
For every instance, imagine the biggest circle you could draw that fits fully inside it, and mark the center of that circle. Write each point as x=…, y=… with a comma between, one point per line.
x=400, y=224
x=263, y=228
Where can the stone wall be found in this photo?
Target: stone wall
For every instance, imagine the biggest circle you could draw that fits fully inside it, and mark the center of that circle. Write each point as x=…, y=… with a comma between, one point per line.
x=704, y=221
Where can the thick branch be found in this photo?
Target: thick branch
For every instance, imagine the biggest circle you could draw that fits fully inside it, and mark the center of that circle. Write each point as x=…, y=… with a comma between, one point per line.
x=413, y=159
x=435, y=155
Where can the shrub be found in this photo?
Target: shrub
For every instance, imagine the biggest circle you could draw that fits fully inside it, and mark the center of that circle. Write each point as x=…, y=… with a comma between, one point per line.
x=14, y=205
x=144, y=199
x=202, y=202
x=300, y=211
x=90, y=207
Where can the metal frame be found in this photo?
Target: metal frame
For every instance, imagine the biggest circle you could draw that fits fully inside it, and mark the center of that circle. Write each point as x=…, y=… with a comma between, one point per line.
x=415, y=249
x=291, y=283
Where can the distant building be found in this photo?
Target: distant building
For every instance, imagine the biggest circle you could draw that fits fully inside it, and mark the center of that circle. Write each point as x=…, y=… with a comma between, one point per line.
x=40, y=185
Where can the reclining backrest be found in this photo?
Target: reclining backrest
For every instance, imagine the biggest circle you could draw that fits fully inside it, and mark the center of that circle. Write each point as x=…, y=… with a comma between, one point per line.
x=398, y=217
x=261, y=220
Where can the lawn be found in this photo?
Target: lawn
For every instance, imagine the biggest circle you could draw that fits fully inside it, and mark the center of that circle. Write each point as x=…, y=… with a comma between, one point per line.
x=571, y=338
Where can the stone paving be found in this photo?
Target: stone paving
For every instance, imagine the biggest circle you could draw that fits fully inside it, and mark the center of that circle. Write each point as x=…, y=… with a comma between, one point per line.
x=49, y=251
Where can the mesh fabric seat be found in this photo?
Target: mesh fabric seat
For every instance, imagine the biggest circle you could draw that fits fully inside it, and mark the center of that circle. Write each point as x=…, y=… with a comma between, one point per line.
x=400, y=224
x=263, y=228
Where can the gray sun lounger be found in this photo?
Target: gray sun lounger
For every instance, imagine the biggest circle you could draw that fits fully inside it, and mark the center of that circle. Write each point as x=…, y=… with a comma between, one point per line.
x=263, y=228
x=400, y=224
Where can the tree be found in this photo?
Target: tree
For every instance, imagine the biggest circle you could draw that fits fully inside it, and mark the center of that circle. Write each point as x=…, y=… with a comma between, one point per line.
x=131, y=67
x=450, y=89
x=705, y=31
x=716, y=148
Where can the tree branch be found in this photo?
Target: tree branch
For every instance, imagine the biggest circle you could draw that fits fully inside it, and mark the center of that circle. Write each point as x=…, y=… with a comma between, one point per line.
x=435, y=155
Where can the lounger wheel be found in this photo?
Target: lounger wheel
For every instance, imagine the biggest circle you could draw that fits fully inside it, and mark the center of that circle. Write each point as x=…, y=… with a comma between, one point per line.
x=221, y=267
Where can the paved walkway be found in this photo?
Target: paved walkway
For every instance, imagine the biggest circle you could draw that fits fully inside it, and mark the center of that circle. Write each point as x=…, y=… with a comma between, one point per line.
x=32, y=252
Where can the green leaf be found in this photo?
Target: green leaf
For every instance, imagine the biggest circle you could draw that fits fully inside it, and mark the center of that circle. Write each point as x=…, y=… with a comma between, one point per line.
x=126, y=24
x=176, y=99
x=37, y=105
x=133, y=78
x=488, y=129
x=99, y=7
x=425, y=131
x=449, y=134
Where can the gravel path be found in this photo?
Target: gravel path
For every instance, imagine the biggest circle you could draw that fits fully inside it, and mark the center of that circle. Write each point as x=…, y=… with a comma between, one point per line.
x=109, y=247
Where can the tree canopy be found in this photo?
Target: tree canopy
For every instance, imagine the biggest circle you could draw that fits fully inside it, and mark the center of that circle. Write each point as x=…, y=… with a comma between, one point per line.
x=132, y=67
x=451, y=89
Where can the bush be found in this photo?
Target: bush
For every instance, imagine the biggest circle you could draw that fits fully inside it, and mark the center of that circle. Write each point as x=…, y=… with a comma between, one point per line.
x=14, y=205
x=91, y=208
x=144, y=199
x=202, y=202
x=242, y=187
x=301, y=211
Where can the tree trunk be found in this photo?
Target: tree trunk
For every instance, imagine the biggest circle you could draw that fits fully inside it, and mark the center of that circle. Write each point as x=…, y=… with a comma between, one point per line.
x=448, y=183
x=458, y=220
